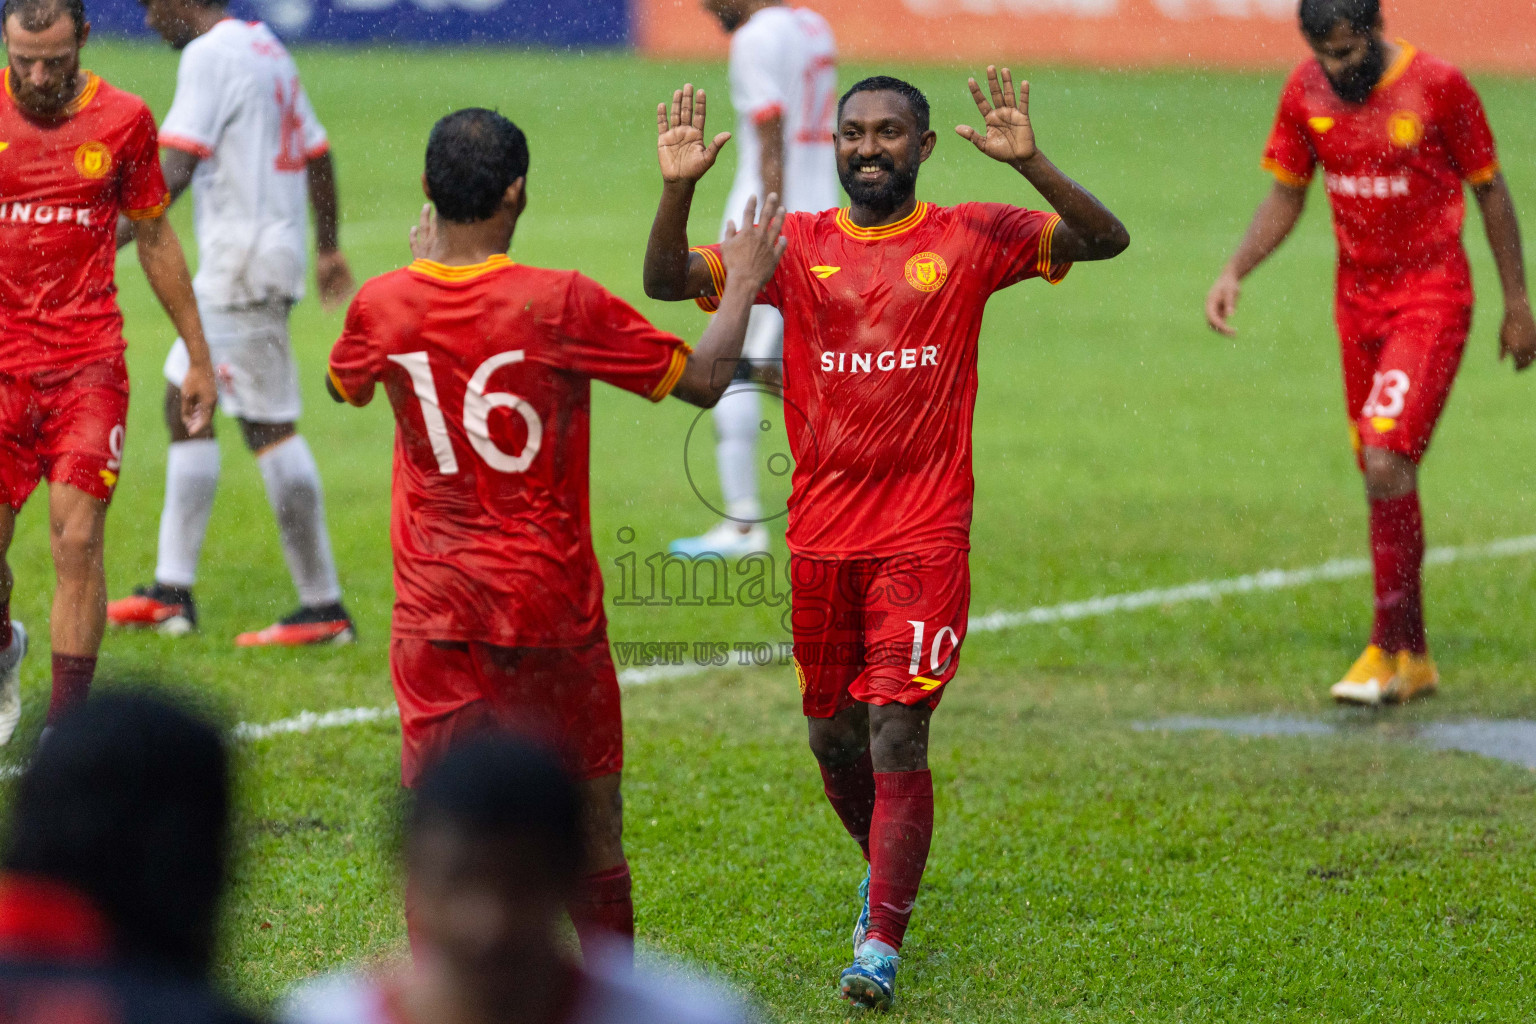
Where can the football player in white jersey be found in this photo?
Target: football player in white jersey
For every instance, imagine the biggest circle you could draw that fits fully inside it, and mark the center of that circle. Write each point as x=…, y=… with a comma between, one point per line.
x=241, y=132
x=784, y=88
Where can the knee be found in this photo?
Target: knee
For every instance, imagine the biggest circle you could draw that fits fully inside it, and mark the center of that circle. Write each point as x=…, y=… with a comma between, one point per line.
x=1387, y=474
x=77, y=545
x=835, y=747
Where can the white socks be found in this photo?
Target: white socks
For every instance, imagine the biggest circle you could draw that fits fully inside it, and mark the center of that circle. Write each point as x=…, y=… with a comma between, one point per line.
x=738, y=422
x=293, y=489
x=191, y=477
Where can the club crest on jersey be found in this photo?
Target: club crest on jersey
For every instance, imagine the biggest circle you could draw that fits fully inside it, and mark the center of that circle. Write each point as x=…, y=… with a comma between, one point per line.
x=1320, y=124
x=927, y=271
x=1405, y=129
x=93, y=160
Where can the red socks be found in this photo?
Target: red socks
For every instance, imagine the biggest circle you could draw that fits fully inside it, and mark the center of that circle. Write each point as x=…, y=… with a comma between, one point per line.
x=850, y=789
x=71, y=683
x=1397, y=550
x=900, y=833
x=604, y=913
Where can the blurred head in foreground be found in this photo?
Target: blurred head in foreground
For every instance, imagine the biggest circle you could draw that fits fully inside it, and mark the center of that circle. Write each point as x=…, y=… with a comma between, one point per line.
x=127, y=805
x=494, y=852
x=1345, y=36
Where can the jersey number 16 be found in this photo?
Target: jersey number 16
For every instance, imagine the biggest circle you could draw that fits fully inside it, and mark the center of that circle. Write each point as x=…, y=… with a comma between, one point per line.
x=478, y=404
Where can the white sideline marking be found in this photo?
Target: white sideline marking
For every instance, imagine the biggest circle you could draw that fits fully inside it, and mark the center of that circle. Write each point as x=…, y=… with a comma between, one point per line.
x=992, y=622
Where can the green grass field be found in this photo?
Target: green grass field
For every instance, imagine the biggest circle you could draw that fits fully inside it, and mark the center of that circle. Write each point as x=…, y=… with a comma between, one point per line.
x=1082, y=870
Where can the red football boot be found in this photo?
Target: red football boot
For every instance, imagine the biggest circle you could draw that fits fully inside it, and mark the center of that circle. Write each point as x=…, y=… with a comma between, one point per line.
x=327, y=624
x=168, y=610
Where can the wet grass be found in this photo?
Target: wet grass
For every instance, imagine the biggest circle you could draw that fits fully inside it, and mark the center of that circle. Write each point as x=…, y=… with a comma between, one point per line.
x=1082, y=871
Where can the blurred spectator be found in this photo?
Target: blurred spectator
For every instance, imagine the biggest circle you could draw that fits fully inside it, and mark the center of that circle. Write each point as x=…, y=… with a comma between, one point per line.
x=493, y=853
x=113, y=870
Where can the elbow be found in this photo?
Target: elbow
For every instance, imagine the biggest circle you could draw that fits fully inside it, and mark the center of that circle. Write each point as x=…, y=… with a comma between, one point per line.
x=661, y=289
x=1116, y=242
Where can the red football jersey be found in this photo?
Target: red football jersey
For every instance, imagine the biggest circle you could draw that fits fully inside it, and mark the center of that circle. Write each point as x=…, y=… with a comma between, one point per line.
x=1393, y=165
x=62, y=185
x=489, y=371
x=880, y=329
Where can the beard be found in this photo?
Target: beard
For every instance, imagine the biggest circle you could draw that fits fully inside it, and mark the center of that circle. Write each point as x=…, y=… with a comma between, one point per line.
x=885, y=197
x=1355, y=85
x=45, y=102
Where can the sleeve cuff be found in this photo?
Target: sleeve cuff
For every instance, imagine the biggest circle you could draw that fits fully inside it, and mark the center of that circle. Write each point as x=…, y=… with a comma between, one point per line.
x=1053, y=273
x=674, y=373
x=1485, y=175
x=1284, y=175
x=340, y=389
x=171, y=140
x=319, y=149
x=149, y=212
x=767, y=111
x=711, y=303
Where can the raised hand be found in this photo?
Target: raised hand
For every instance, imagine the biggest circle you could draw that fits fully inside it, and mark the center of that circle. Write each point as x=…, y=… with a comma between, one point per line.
x=751, y=254
x=1009, y=137
x=424, y=233
x=680, y=145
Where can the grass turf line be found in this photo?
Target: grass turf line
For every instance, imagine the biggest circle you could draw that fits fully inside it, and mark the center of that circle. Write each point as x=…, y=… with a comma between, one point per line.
x=1081, y=870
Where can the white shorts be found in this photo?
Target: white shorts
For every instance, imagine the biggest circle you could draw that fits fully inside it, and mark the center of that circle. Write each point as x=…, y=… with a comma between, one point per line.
x=252, y=362
x=765, y=336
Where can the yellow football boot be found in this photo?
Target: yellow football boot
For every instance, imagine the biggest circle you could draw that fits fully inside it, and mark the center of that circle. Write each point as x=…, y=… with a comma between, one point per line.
x=1416, y=677
x=1368, y=679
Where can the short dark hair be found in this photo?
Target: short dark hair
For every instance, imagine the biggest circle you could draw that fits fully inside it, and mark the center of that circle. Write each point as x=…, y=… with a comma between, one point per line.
x=494, y=786
x=885, y=83
x=37, y=15
x=127, y=801
x=1318, y=17
x=473, y=157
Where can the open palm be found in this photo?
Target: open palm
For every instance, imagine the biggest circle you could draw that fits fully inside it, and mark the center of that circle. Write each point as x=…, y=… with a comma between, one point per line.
x=680, y=145
x=1009, y=136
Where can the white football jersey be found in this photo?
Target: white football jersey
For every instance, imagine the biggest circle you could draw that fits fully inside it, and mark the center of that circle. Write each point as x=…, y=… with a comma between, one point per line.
x=240, y=108
x=784, y=61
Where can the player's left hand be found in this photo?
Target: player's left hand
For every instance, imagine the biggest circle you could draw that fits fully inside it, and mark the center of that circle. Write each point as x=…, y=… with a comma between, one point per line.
x=751, y=254
x=1517, y=338
x=334, y=277
x=199, y=395
x=1009, y=136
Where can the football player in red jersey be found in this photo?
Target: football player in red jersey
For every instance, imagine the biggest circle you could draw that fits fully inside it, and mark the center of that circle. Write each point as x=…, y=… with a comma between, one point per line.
x=1396, y=132
x=74, y=153
x=489, y=365
x=882, y=305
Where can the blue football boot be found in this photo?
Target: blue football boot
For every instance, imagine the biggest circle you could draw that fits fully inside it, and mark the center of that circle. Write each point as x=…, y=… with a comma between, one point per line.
x=861, y=926
x=871, y=981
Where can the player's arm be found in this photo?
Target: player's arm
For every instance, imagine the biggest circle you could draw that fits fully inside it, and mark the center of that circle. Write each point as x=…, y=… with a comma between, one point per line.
x=750, y=256
x=1517, y=335
x=1088, y=230
x=1272, y=222
x=165, y=266
x=770, y=141
x=332, y=273
x=672, y=272
x=178, y=166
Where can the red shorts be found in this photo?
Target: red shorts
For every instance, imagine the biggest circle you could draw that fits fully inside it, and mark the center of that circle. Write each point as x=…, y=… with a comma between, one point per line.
x=878, y=630
x=566, y=698
x=65, y=425
x=1399, y=364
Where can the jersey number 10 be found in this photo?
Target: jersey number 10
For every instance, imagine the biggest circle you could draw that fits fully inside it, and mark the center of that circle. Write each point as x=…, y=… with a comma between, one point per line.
x=478, y=404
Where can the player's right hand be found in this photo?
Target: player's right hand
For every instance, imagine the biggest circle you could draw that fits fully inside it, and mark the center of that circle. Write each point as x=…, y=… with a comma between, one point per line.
x=199, y=394
x=680, y=145
x=1221, y=303
x=751, y=254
